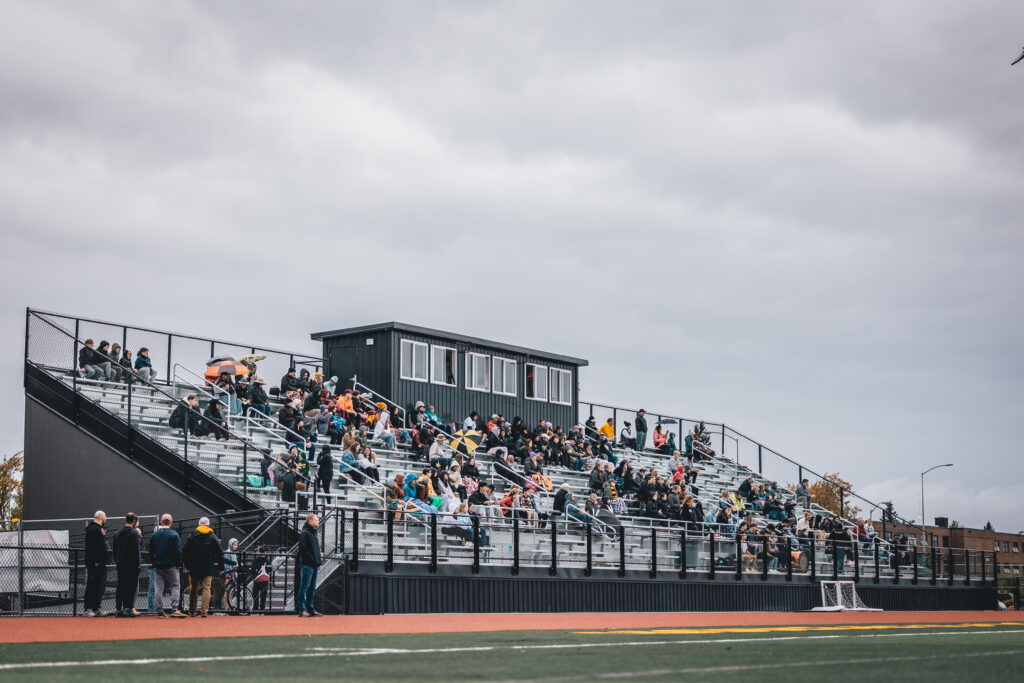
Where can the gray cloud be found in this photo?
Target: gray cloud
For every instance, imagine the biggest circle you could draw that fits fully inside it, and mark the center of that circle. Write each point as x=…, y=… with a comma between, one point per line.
x=801, y=220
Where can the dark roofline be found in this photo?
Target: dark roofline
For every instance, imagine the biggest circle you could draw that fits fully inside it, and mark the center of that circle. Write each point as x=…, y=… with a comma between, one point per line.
x=430, y=332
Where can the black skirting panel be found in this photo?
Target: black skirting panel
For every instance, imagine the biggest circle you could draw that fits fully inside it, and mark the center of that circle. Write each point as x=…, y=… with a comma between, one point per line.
x=377, y=593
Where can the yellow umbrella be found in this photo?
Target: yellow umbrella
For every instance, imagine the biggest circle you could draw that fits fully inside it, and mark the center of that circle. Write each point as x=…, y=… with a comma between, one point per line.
x=466, y=441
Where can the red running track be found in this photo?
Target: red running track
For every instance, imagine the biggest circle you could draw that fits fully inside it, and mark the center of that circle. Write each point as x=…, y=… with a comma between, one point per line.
x=82, y=629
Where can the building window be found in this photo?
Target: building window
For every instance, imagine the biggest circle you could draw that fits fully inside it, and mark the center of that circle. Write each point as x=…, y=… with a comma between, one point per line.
x=945, y=541
x=504, y=376
x=997, y=546
x=442, y=365
x=478, y=372
x=414, y=361
x=1016, y=548
x=561, y=386
x=536, y=382
x=1006, y=546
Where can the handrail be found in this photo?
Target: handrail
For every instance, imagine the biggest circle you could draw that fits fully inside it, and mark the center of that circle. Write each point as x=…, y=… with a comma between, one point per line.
x=136, y=379
x=388, y=401
x=250, y=411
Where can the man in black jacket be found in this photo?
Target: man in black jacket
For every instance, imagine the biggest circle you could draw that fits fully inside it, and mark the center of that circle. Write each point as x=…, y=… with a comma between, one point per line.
x=309, y=561
x=215, y=423
x=91, y=362
x=165, y=555
x=325, y=473
x=203, y=558
x=186, y=416
x=127, y=545
x=96, y=556
x=289, y=382
x=641, y=429
x=258, y=398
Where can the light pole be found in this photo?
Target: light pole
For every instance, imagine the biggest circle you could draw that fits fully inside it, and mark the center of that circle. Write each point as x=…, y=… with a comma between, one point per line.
x=923, y=534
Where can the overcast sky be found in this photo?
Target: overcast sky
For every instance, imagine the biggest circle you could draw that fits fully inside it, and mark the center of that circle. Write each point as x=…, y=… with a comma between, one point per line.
x=801, y=218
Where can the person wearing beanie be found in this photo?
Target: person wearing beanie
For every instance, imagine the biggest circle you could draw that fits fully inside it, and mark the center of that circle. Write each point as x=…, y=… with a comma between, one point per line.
x=203, y=559
x=165, y=554
x=289, y=382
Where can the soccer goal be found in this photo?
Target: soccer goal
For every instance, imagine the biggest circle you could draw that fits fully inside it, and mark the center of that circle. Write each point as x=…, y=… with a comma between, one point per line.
x=841, y=596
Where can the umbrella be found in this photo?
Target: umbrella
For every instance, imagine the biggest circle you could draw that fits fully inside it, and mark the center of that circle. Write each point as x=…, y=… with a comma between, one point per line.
x=466, y=441
x=668, y=421
x=219, y=359
x=229, y=366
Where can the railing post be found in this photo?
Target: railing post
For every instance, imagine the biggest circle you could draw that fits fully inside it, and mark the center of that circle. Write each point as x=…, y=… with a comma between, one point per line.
x=759, y=466
x=433, y=544
x=842, y=503
x=935, y=566
x=476, y=544
x=875, y=546
x=914, y=558
x=789, y=559
x=654, y=552
x=130, y=383
x=389, y=563
x=340, y=531
x=74, y=585
x=983, y=573
x=590, y=551
x=553, y=569
x=21, y=566
x=682, y=550
x=896, y=570
x=967, y=567
x=764, y=559
x=739, y=557
x=245, y=471
x=950, y=561
x=622, y=551
x=856, y=561
x=711, y=556
x=723, y=442
x=814, y=560
x=168, y=375
x=515, y=546
x=355, y=541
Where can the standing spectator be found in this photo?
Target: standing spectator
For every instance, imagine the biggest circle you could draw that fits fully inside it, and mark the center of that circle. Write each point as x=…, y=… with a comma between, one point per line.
x=641, y=429
x=128, y=559
x=261, y=579
x=325, y=471
x=165, y=555
x=803, y=494
x=203, y=559
x=96, y=556
x=144, y=366
x=309, y=561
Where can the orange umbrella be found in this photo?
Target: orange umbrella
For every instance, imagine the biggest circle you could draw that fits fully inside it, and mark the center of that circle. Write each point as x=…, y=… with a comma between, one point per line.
x=229, y=366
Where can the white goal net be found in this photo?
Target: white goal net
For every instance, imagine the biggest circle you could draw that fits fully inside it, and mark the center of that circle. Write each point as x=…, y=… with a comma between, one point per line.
x=839, y=596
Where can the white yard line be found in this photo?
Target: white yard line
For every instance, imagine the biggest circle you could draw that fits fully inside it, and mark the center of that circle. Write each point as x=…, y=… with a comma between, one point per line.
x=314, y=652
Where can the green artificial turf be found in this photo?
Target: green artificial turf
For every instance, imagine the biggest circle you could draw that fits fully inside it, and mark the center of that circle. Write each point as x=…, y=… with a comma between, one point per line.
x=942, y=653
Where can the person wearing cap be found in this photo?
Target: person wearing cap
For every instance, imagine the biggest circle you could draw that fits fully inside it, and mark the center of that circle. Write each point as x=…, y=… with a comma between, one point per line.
x=626, y=438
x=641, y=429
x=165, y=555
x=203, y=559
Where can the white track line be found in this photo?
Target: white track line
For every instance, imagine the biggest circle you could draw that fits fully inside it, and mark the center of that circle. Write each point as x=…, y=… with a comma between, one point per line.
x=359, y=652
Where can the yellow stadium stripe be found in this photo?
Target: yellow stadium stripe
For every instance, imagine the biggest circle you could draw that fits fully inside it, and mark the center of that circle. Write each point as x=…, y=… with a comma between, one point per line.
x=785, y=629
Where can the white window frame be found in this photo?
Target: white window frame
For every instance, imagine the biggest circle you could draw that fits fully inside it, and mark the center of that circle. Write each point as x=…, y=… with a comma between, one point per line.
x=537, y=369
x=401, y=360
x=558, y=372
x=455, y=365
x=497, y=361
x=470, y=355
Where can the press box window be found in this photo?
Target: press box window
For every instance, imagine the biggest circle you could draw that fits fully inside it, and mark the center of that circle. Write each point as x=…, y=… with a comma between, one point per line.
x=442, y=365
x=536, y=382
x=478, y=372
x=504, y=376
x=561, y=386
x=414, y=361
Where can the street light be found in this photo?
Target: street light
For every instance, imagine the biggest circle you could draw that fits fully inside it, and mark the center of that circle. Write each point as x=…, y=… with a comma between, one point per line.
x=923, y=534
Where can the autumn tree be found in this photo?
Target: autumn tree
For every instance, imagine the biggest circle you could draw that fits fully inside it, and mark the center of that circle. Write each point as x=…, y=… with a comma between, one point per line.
x=825, y=493
x=11, y=469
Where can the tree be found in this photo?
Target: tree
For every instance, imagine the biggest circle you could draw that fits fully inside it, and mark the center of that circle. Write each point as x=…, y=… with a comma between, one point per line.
x=826, y=494
x=888, y=513
x=989, y=527
x=954, y=524
x=11, y=489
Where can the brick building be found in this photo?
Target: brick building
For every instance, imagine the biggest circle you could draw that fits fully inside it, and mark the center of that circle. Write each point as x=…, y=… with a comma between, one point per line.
x=1009, y=547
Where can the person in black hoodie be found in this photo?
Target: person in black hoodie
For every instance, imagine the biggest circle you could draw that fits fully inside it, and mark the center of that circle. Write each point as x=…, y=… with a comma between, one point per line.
x=288, y=483
x=289, y=382
x=325, y=473
x=186, y=416
x=128, y=559
x=96, y=556
x=203, y=559
x=215, y=423
x=94, y=364
x=309, y=560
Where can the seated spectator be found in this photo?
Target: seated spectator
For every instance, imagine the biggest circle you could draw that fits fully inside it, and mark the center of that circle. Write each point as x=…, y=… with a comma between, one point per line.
x=470, y=475
x=91, y=363
x=746, y=488
x=419, y=416
x=505, y=467
x=311, y=405
x=563, y=497
x=225, y=391
x=289, y=382
x=288, y=415
x=215, y=425
x=626, y=438
x=608, y=429
x=511, y=506
x=470, y=422
x=144, y=366
x=483, y=503
x=803, y=494
x=438, y=457
x=535, y=471
x=258, y=399
x=349, y=464
x=128, y=371
x=382, y=430
x=659, y=437
x=529, y=505
x=186, y=416
x=454, y=475
x=367, y=463
x=114, y=356
x=394, y=496
x=749, y=551
x=597, y=477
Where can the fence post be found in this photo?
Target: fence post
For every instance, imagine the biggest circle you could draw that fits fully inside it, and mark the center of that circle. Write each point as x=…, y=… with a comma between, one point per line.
x=896, y=571
x=168, y=375
x=764, y=559
x=789, y=559
x=515, y=546
x=914, y=558
x=875, y=546
x=622, y=551
x=245, y=471
x=433, y=544
x=856, y=561
x=21, y=566
x=682, y=553
x=355, y=541
x=553, y=569
x=476, y=544
x=739, y=558
x=590, y=556
x=723, y=442
x=74, y=584
x=711, y=555
x=759, y=458
x=967, y=567
x=814, y=560
x=654, y=552
x=389, y=563
x=983, y=577
x=935, y=567
x=130, y=401
x=842, y=503
x=950, y=561
x=340, y=531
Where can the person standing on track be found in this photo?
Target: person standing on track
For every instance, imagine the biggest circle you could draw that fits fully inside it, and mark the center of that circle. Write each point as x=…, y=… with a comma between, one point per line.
x=203, y=559
x=96, y=556
x=128, y=558
x=309, y=560
x=165, y=554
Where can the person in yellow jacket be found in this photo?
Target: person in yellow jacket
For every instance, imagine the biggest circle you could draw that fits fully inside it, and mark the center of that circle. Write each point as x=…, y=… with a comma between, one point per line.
x=608, y=429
